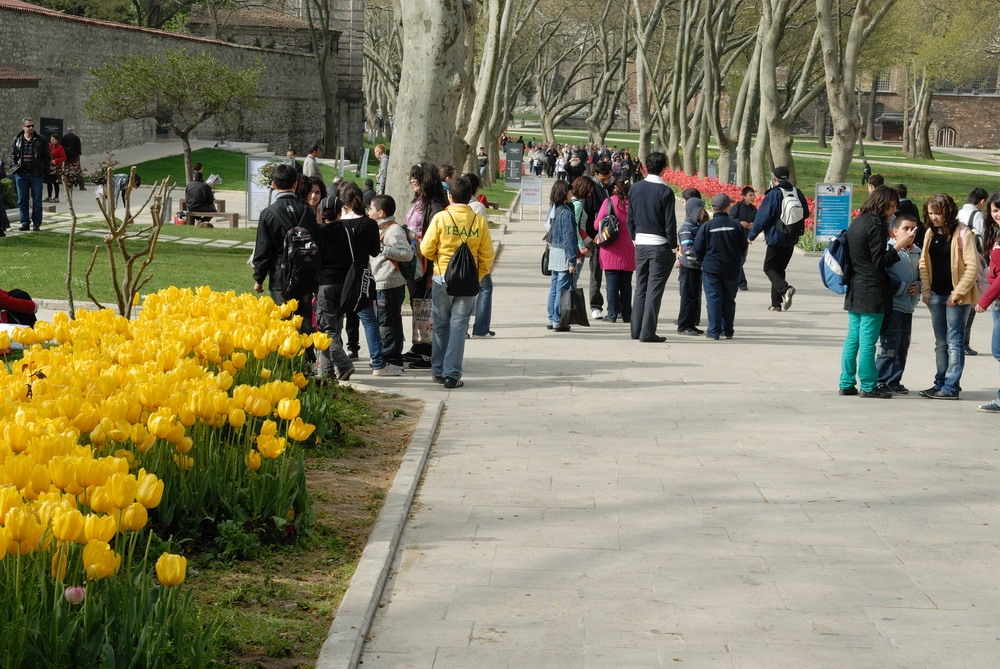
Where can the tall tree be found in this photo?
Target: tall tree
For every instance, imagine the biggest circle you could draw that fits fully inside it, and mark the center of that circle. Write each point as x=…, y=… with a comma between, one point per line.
x=324, y=47
x=180, y=90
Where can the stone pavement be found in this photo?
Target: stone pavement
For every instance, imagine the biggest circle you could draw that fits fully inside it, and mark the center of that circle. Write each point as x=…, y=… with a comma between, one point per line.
x=590, y=501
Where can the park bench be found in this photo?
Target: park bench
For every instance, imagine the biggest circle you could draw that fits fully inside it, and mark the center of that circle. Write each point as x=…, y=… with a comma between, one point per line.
x=232, y=217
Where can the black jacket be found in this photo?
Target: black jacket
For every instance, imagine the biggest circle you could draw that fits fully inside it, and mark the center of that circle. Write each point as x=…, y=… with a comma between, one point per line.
x=720, y=244
x=72, y=146
x=336, y=251
x=40, y=151
x=285, y=213
x=870, y=290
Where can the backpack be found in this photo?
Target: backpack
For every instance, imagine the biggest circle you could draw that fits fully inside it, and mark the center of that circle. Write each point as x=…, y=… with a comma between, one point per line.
x=462, y=276
x=982, y=282
x=299, y=263
x=792, y=222
x=408, y=268
x=835, y=265
x=608, y=227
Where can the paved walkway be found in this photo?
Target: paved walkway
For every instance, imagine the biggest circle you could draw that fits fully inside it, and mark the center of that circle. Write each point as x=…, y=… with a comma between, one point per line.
x=591, y=501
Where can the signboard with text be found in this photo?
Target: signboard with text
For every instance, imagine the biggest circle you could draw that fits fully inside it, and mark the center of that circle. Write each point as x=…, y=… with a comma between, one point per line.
x=515, y=159
x=833, y=210
x=531, y=190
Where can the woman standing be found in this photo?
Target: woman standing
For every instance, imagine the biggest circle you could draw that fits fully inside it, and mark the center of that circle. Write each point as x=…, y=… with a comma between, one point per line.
x=618, y=257
x=54, y=176
x=949, y=265
x=562, y=251
x=992, y=246
x=869, y=293
x=428, y=199
x=311, y=191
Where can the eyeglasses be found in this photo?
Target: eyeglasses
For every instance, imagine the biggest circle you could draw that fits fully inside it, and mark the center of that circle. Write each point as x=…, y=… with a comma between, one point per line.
x=29, y=125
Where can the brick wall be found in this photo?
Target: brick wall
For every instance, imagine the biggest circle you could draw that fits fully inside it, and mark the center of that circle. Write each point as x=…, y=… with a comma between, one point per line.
x=62, y=48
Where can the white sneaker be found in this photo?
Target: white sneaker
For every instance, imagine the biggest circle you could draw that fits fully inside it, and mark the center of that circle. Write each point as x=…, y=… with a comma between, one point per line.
x=595, y=313
x=388, y=370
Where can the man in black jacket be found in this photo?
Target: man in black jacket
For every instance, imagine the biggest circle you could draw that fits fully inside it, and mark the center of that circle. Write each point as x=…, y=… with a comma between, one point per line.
x=719, y=247
x=74, y=149
x=652, y=225
x=29, y=161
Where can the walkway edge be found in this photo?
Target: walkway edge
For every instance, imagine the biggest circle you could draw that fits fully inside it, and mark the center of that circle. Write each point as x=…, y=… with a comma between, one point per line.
x=346, y=638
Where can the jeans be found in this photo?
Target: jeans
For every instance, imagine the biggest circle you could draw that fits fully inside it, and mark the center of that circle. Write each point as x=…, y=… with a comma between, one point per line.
x=390, y=323
x=451, y=322
x=689, y=286
x=330, y=320
x=29, y=185
x=857, y=359
x=894, y=345
x=484, y=307
x=619, y=286
x=652, y=269
x=776, y=260
x=369, y=321
x=996, y=339
x=949, y=342
x=720, y=300
x=560, y=281
x=596, y=299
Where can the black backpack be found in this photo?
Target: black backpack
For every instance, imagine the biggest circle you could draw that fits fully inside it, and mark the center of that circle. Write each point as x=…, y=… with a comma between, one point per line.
x=299, y=263
x=461, y=277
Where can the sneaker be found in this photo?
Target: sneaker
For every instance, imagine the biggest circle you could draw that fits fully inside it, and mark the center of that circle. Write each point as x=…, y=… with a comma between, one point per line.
x=942, y=395
x=595, y=313
x=929, y=393
x=396, y=367
x=774, y=308
x=899, y=389
x=451, y=382
x=489, y=334
x=970, y=351
x=880, y=393
x=786, y=299
x=353, y=355
x=691, y=332
x=423, y=364
x=438, y=379
x=388, y=370
x=24, y=228
x=848, y=391
x=410, y=356
x=992, y=407
x=346, y=374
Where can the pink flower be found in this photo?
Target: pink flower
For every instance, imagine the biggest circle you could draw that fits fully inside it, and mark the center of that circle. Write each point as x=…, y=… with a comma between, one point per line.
x=75, y=594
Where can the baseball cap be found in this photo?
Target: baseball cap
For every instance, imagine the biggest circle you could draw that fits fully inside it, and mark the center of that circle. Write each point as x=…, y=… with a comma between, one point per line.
x=780, y=172
x=720, y=201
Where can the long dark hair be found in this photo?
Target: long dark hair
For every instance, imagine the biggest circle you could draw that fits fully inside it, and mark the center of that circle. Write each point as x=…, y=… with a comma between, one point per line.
x=352, y=197
x=429, y=183
x=990, y=229
x=879, y=202
x=943, y=204
x=559, y=193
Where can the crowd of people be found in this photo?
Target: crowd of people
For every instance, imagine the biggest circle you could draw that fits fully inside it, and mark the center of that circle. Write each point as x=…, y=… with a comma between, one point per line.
x=343, y=259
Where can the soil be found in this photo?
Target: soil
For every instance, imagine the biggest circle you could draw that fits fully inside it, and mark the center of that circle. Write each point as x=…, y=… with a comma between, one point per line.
x=294, y=593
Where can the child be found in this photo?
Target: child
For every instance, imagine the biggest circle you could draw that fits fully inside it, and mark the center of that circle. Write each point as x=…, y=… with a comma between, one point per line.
x=719, y=247
x=689, y=281
x=894, y=340
x=744, y=211
x=390, y=284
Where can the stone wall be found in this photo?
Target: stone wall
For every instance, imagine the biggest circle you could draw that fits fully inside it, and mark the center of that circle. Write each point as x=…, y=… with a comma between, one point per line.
x=62, y=48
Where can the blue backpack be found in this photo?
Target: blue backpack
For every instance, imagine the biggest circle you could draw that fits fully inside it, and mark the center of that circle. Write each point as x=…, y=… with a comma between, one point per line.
x=835, y=265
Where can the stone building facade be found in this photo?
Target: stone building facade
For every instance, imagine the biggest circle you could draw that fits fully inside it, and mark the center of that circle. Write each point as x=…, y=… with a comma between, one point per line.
x=63, y=48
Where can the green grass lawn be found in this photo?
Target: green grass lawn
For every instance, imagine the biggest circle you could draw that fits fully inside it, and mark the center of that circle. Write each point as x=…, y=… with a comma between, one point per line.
x=37, y=263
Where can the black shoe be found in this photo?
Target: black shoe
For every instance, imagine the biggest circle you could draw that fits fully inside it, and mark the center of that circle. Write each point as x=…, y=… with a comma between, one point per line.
x=929, y=393
x=877, y=393
x=438, y=379
x=353, y=355
x=786, y=299
x=712, y=337
x=562, y=328
x=36, y=228
x=423, y=364
x=24, y=228
x=550, y=327
x=410, y=356
x=691, y=332
x=970, y=351
x=899, y=389
x=346, y=374
x=848, y=391
x=451, y=382
x=653, y=339
x=2, y=233
x=744, y=287
x=942, y=395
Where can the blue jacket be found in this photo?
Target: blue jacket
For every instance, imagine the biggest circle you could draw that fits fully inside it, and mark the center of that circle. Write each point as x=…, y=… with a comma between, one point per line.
x=770, y=213
x=562, y=253
x=901, y=275
x=720, y=245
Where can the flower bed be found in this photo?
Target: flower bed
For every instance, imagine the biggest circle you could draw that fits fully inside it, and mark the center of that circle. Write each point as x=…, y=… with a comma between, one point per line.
x=119, y=436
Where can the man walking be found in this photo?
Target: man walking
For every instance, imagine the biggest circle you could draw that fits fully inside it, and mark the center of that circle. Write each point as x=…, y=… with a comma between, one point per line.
x=779, y=246
x=652, y=225
x=29, y=162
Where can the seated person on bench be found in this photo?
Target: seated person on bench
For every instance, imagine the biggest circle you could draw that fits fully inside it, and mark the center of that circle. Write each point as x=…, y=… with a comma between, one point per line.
x=199, y=197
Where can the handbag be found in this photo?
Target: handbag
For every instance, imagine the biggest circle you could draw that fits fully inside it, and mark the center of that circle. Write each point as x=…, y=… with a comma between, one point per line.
x=608, y=227
x=359, y=284
x=461, y=278
x=423, y=321
x=573, y=308
x=545, y=263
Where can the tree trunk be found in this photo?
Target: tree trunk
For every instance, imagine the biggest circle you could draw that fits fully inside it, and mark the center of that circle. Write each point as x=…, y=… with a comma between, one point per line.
x=431, y=86
x=870, y=111
x=922, y=144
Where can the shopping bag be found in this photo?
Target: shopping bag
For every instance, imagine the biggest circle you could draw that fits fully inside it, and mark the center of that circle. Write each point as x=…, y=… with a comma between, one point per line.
x=573, y=308
x=422, y=321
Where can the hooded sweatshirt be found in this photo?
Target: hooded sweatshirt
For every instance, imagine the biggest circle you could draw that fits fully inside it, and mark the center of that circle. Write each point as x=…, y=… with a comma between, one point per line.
x=688, y=230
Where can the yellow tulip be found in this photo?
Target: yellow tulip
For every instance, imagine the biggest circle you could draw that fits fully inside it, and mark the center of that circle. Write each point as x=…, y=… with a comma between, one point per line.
x=289, y=409
x=21, y=524
x=67, y=524
x=269, y=428
x=17, y=470
x=121, y=489
x=150, y=490
x=99, y=561
x=134, y=517
x=99, y=499
x=184, y=445
x=99, y=528
x=299, y=430
x=265, y=373
x=159, y=425
x=321, y=341
x=239, y=359
x=183, y=462
x=271, y=447
x=224, y=380
x=258, y=406
x=9, y=498
x=237, y=417
x=4, y=342
x=300, y=380
x=171, y=569
x=252, y=459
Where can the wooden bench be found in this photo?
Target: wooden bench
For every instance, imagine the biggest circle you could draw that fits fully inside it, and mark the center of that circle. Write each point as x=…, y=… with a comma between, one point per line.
x=231, y=216
x=219, y=204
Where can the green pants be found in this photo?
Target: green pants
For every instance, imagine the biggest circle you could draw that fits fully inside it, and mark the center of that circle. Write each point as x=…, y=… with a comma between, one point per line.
x=858, y=356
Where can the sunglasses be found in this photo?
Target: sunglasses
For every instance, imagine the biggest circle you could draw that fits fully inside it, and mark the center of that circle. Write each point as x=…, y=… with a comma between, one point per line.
x=30, y=125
